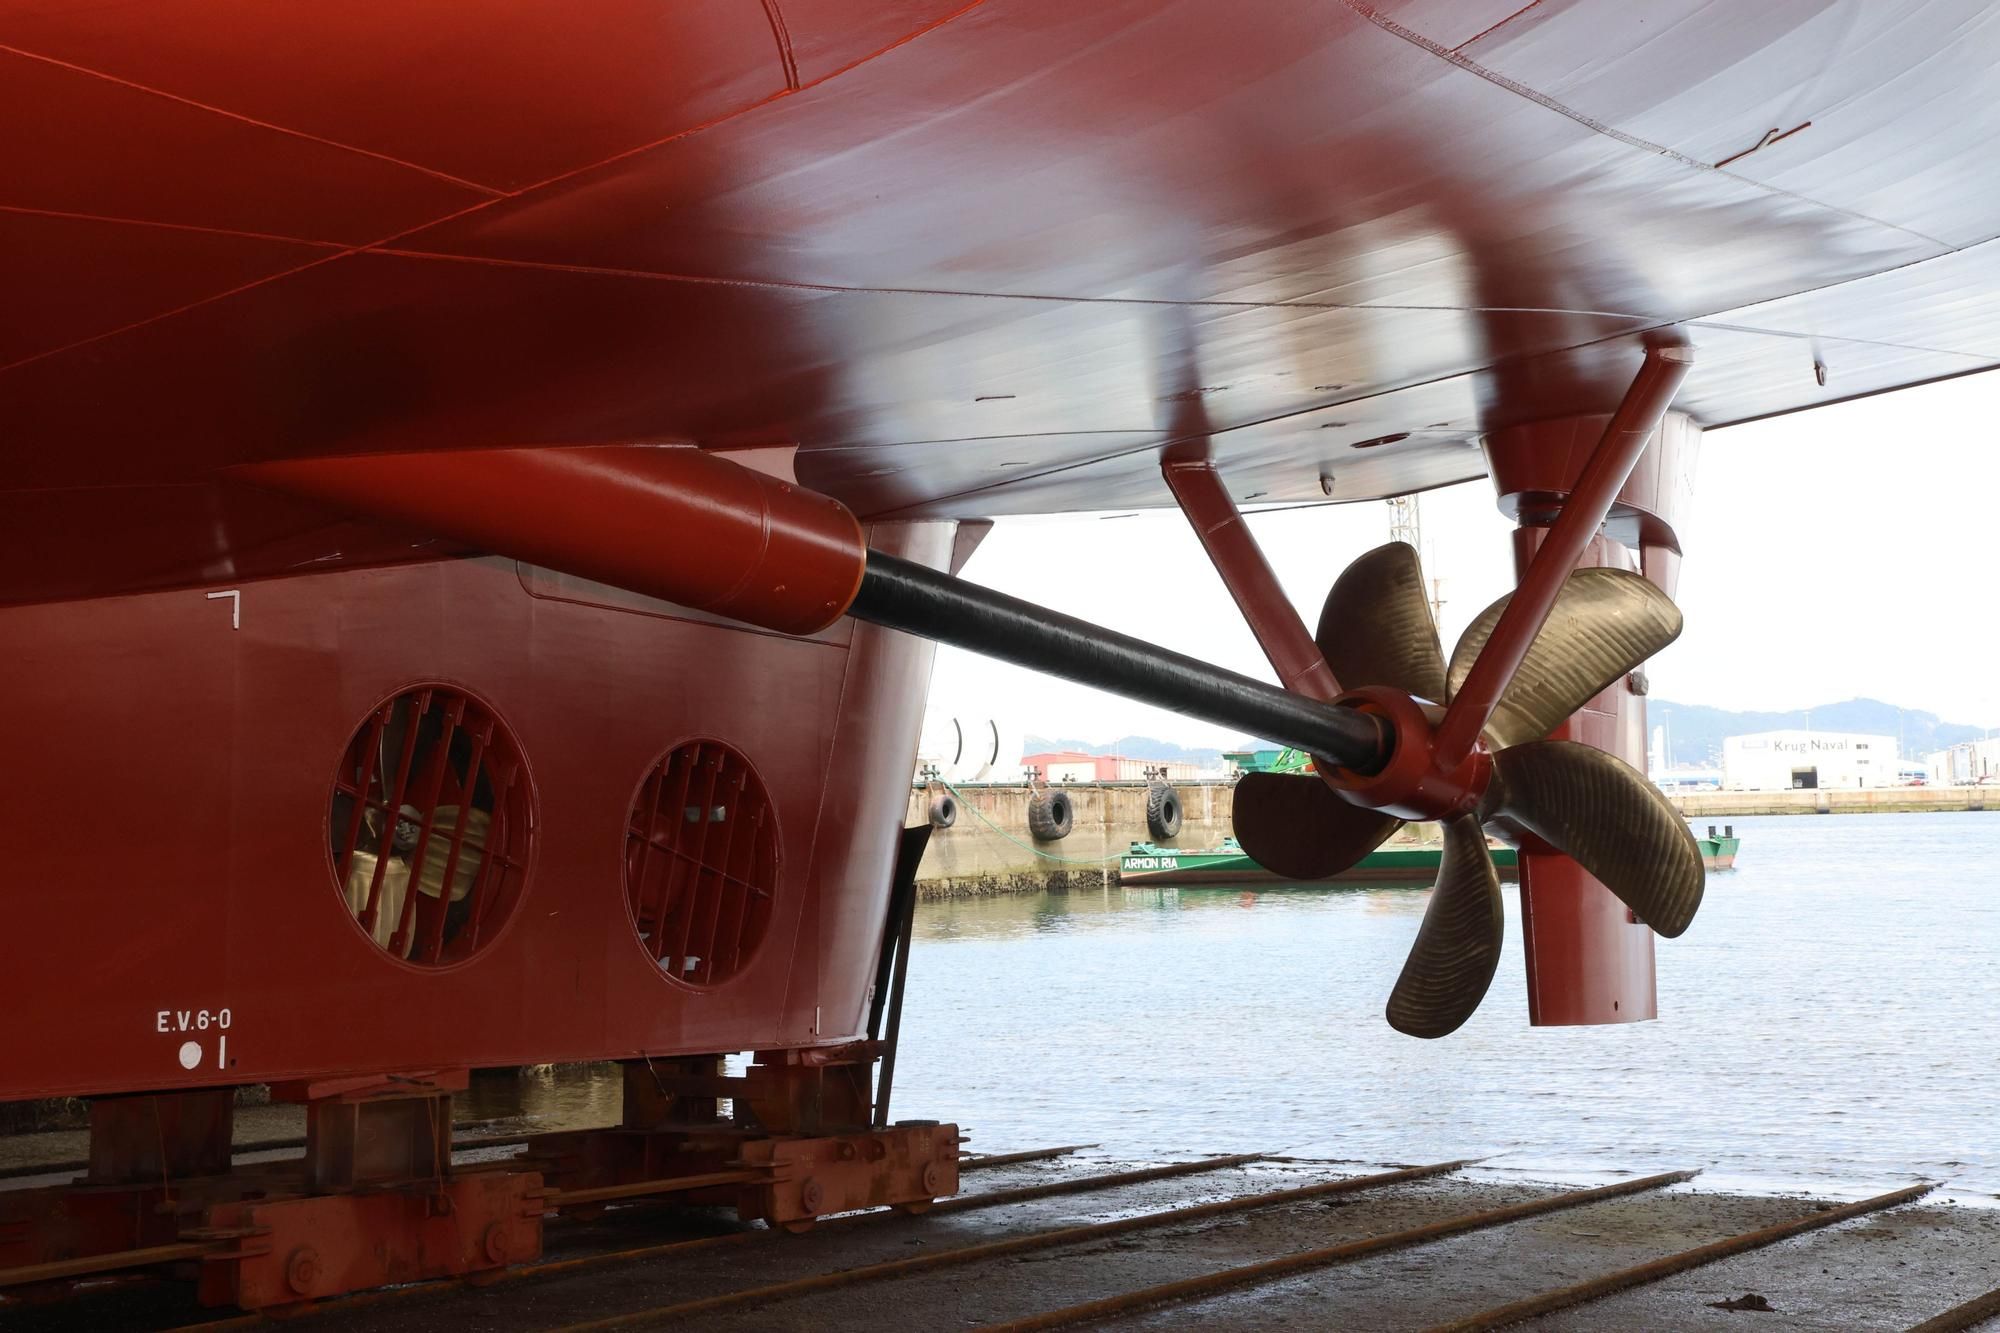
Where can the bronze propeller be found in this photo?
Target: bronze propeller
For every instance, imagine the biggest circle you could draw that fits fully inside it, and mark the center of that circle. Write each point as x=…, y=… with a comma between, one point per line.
x=1376, y=629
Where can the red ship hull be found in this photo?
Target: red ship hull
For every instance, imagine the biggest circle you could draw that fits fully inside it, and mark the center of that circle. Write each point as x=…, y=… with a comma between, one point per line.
x=179, y=771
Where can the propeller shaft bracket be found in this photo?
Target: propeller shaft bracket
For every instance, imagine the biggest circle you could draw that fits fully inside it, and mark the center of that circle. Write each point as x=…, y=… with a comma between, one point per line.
x=1411, y=785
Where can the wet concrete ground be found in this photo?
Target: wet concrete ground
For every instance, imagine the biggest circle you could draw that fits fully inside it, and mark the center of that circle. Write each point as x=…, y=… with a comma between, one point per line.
x=1885, y=1271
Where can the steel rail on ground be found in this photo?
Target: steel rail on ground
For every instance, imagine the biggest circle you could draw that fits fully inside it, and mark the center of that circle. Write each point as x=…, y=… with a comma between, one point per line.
x=1654, y=1270
x=1968, y=1314
x=999, y=1249
x=1271, y=1270
x=123, y=1260
x=1023, y=1193
x=992, y=1159
x=698, y=1244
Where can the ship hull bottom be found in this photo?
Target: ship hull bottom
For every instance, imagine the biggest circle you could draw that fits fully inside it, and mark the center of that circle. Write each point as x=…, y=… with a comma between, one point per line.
x=354, y=834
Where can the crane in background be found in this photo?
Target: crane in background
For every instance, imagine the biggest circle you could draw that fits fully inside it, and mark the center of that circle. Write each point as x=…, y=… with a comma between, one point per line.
x=1406, y=525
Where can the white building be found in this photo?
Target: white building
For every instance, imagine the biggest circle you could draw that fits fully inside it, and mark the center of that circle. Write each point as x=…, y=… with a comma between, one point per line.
x=1780, y=760
x=1966, y=763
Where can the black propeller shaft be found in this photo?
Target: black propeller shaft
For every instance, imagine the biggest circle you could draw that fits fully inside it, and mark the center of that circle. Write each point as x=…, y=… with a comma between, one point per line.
x=900, y=595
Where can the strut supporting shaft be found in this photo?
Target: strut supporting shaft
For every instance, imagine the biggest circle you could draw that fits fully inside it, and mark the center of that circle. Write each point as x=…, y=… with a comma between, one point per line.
x=1583, y=513
x=900, y=595
x=1199, y=491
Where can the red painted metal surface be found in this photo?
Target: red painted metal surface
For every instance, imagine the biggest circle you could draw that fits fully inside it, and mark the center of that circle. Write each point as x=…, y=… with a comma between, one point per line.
x=377, y=826
x=701, y=862
x=292, y=1250
x=964, y=259
x=375, y=1131
x=145, y=1139
x=970, y=258
x=811, y=1178
x=1197, y=487
x=1532, y=479
x=802, y=1142
x=257, y=1241
x=677, y=524
x=373, y=1201
x=1438, y=766
x=236, y=958
x=1587, y=960
x=434, y=785
x=1414, y=784
x=377, y=1200
x=1590, y=495
x=967, y=258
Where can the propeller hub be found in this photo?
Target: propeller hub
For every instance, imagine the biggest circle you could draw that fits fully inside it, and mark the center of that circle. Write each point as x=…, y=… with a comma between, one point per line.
x=1410, y=785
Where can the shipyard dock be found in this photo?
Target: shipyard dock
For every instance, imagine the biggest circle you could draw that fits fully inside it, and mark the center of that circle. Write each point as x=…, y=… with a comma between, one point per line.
x=1069, y=1238
x=1924, y=800
x=990, y=848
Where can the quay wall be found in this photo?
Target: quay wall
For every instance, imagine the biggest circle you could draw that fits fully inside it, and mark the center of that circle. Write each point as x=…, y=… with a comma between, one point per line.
x=989, y=848
x=1837, y=801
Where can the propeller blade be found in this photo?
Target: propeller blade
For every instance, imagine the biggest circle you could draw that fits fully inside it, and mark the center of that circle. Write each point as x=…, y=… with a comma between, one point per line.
x=1605, y=622
x=1376, y=627
x=1458, y=946
x=1293, y=825
x=1596, y=808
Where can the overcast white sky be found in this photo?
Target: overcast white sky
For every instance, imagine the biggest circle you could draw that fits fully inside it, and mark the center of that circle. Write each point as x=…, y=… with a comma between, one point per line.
x=1844, y=551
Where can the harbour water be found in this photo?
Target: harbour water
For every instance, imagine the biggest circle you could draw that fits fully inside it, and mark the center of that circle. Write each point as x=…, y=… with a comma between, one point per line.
x=1830, y=1023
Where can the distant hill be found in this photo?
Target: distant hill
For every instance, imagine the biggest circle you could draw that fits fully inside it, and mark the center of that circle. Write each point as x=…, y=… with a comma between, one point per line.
x=1695, y=731
x=1133, y=747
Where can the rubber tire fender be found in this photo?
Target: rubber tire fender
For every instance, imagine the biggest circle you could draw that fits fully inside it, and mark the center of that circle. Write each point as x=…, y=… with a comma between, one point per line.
x=944, y=810
x=1163, y=812
x=1050, y=816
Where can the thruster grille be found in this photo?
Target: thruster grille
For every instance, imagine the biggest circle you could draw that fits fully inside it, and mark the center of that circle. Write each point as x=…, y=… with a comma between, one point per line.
x=701, y=863
x=430, y=826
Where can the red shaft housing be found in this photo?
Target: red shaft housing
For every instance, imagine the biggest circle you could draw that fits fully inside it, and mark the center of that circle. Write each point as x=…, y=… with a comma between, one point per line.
x=670, y=522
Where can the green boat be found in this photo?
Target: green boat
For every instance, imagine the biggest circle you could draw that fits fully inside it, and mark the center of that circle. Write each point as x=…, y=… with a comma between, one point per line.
x=1406, y=863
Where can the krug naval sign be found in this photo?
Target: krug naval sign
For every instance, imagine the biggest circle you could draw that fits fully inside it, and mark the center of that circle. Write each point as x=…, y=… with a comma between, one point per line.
x=1809, y=746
